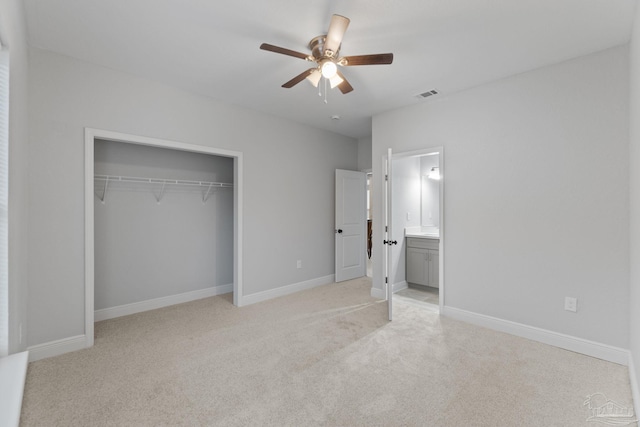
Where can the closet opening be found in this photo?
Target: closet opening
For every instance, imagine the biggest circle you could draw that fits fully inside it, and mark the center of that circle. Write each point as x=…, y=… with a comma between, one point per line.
x=162, y=224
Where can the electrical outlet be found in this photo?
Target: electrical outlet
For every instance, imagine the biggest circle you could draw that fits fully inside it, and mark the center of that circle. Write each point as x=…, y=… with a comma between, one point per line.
x=571, y=304
x=299, y=264
x=408, y=216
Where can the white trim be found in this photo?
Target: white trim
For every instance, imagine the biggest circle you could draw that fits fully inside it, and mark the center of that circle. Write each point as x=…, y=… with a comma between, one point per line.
x=56, y=348
x=238, y=206
x=89, y=257
x=635, y=390
x=378, y=293
x=400, y=286
x=152, y=304
x=286, y=290
x=556, y=339
x=89, y=138
x=13, y=373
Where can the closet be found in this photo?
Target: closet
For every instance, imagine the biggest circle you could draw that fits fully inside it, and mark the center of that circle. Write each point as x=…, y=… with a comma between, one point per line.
x=163, y=227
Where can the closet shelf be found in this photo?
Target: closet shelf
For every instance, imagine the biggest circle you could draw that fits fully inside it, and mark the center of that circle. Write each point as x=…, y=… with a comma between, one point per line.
x=163, y=183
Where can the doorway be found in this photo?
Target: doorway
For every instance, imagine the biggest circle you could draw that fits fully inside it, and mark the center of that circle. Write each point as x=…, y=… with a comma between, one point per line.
x=416, y=213
x=92, y=137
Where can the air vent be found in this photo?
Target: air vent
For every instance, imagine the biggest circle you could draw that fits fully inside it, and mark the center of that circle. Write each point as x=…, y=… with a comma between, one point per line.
x=427, y=94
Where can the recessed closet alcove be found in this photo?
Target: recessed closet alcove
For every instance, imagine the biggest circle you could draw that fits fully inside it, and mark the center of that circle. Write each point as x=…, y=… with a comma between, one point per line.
x=163, y=227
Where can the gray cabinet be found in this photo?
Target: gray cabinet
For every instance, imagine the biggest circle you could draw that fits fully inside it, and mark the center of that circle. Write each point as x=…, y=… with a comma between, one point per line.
x=423, y=261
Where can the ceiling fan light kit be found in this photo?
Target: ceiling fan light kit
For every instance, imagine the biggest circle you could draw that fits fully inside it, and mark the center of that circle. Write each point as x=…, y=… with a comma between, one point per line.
x=328, y=69
x=325, y=51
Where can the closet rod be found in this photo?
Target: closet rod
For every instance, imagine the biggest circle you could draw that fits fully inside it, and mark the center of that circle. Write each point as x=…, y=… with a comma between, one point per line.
x=163, y=181
x=140, y=180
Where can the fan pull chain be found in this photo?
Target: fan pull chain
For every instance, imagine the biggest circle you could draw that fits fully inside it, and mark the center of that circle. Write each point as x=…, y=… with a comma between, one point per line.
x=325, y=91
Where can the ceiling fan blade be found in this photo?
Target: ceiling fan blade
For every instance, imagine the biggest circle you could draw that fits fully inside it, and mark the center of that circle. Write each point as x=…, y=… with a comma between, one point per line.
x=297, y=79
x=337, y=28
x=377, y=59
x=344, y=87
x=282, y=50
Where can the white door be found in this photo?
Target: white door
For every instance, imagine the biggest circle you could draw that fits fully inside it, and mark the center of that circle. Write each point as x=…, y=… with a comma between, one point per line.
x=351, y=221
x=388, y=280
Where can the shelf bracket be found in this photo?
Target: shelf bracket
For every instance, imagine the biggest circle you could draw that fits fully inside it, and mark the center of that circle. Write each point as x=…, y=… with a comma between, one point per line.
x=161, y=195
x=206, y=196
x=104, y=190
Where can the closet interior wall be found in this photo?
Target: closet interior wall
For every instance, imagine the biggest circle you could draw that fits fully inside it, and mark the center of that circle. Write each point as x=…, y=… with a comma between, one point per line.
x=154, y=240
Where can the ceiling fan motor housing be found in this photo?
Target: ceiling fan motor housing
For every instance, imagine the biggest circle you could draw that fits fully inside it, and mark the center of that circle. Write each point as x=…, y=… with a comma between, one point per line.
x=316, y=45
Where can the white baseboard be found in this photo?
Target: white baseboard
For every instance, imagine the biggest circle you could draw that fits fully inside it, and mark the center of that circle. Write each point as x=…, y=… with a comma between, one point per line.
x=633, y=379
x=400, y=286
x=152, y=304
x=378, y=293
x=381, y=294
x=286, y=290
x=13, y=372
x=56, y=348
x=567, y=342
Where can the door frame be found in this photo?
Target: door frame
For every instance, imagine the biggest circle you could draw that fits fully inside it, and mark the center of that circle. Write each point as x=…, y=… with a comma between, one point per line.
x=419, y=153
x=90, y=135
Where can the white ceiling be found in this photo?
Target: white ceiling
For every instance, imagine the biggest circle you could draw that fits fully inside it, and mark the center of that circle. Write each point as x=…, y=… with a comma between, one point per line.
x=211, y=47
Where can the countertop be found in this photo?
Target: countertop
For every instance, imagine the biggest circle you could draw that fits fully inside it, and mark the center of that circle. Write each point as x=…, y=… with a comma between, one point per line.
x=423, y=235
x=422, y=232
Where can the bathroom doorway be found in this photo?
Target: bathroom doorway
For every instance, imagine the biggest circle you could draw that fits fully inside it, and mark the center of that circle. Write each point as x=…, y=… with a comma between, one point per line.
x=417, y=213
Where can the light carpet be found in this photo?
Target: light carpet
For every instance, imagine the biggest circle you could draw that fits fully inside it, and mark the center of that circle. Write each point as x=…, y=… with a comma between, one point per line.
x=326, y=356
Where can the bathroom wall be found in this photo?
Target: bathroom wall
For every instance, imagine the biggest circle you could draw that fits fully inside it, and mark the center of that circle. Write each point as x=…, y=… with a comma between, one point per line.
x=430, y=197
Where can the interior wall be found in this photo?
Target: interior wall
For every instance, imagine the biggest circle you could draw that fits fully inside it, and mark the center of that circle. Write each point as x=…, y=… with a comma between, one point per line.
x=634, y=191
x=430, y=198
x=537, y=194
x=289, y=174
x=13, y=36
x=145, y=249
x=364, y=154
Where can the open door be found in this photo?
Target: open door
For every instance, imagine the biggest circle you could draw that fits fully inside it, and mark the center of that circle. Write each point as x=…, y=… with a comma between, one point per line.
x=388, y=242
x=351, y=221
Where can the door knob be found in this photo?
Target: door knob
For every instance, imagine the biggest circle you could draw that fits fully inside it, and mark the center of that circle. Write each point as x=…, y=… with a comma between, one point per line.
x=339, y=231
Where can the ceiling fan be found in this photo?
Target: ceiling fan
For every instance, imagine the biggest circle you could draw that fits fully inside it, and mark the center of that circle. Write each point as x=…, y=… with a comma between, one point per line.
x=325, y=51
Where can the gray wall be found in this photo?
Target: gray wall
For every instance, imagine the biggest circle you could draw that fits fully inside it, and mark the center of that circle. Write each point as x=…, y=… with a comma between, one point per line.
x=364, y=154
x=288, y=179
x=430, y=197
x=634, y=191
x=145, y=249
x=536, y=194
x=13, y=35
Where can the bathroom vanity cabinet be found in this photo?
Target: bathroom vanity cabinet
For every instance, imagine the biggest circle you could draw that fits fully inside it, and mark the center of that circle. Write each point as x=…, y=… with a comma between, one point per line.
x=423, y=261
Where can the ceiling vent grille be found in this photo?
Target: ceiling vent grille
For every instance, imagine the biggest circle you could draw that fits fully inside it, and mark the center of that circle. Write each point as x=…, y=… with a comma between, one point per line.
x=427, y=94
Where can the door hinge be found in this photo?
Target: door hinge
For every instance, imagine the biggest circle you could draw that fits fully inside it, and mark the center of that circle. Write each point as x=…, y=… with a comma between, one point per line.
x=386, y=280
x=386, y=228
x=386, y=177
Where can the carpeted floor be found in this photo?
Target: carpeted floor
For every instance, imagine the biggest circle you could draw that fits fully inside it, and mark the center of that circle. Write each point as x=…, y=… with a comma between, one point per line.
x=326, y=356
